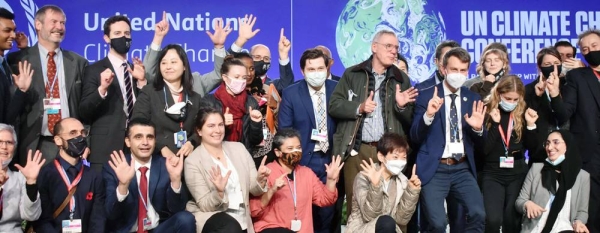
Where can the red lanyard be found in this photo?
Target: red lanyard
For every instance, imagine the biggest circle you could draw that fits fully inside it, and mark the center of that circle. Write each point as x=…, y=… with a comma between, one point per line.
x=68, y=183
x=181, y=99
x=596, y=73
x=506, y=139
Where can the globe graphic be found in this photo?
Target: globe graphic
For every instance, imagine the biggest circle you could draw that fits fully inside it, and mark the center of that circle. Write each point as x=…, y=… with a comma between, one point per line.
x=418, y=32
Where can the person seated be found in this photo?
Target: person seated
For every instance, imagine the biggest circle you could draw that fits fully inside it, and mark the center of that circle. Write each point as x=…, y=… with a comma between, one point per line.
x=220, y=175
x=384, y=199
x=289, y=209
x=555, y=194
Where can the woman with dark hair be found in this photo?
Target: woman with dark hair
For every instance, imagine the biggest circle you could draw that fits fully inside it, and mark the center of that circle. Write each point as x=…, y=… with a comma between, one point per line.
x=170, y=103
x=243, y=120
x=220, y=175
x=384, y=199
x=555, y=195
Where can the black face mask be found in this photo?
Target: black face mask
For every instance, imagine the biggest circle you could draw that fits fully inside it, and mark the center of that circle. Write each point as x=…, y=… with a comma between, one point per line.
x=593, y=58
x=261, y=68
x=182, y=113
x=121, y=44
x=75, y=146
x=497, y=75
x=547, y=70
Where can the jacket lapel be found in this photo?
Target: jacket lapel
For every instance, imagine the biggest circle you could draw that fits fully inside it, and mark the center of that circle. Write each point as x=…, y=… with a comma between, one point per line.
x=33, y=57
x=442, y=110
x=466, y=106
x=307, y=103
x=592, y=83
x=155, y=172
x=69, y=70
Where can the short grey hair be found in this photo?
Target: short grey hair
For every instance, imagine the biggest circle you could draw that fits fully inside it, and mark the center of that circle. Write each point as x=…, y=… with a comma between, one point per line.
x=587, y=33
x=40, y=15
x=10, y=129
x=381, y=33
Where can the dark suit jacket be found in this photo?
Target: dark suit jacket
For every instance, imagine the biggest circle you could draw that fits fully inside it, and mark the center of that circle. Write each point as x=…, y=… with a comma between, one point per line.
x=89, y=199
x=30, y=122
x=580, y=103
x=11, y=102
x=430, y=82
x=432, y=138
x=297, y=111
x=105, y=115
x=121, y=216
x=150, y=105
x=335, y=77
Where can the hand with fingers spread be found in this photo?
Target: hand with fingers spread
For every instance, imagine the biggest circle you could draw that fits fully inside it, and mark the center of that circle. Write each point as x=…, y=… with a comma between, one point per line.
x=21, y=40
x=414, y=183
x=221, y=33
x=124, y=171
x=32, y=166
x=495, y=115
x=370, y=171
x=553, y=83
x=161, y=29
x=435, y=103
x=477, y=116
x=219, y=180
x=174, y=166
x=255, y=115
x=284, y=46
x=533, y=210
x=368, y=106
x=334, y=168
x=106, y=78
x=23, y=80
x=531, y=117
x=138, y=72
x=228, y=117
x=540, y=86
x=407, y=96
x=263, y=172
x=245, y=31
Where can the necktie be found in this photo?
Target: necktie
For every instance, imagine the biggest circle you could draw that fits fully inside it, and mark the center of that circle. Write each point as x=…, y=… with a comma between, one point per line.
x=52, y=90
x=143, y=199
x=454, y=136
x=128, y=90
x=72, y=172
x=322, y=120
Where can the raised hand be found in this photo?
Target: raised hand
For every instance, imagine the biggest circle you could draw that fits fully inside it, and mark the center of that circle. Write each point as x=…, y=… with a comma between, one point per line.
x=490, y=78
x=218, y=180
x=245, y=31
x=162, y=28
x=228, y=117
x=255, y=115
x=477, y=116
x=263, y=172
x=435, y=103
x=221, y=33
x=174, y=166
x=531, y=117
x=138, y=72
x=32, y=166
x=21, y=40
x=279, y=182
x=185, y=150
x=284, y=46
x=23, y=80
x=369, y=105
x=495, y=115
x=106, y=78
x=333, y=169
x=572, y=63
x=553, y=83
x=540, y=86
x=533, y=210
x=370, y=171
x=124, y=171
x=414, y=182
x=407, y=96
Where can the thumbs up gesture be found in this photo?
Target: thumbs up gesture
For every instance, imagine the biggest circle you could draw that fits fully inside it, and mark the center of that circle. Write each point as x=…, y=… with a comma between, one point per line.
x=369, y=105
x=435, y=103
x=255, y=115
x=228, y=117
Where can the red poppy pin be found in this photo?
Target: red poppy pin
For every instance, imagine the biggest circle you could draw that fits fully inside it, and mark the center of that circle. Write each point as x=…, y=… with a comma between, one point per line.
x=89, y=196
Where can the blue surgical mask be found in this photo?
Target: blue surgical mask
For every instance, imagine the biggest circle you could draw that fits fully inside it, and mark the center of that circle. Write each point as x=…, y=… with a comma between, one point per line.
x=506, y=106
x=557, y=161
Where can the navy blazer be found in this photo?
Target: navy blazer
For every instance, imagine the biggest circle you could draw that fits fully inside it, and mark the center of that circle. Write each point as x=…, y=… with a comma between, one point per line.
x=429, y=82
x=296, y=111
x=121, y=216
x=89, y=200
x=432, y=138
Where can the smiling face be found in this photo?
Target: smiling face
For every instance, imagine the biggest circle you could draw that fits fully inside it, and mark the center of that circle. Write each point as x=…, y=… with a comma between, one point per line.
x=171, y=66
x=7, y=33
x=212, y=131
x=7, y=145
x=141, y=140
x=52, y=27
x=555, y=146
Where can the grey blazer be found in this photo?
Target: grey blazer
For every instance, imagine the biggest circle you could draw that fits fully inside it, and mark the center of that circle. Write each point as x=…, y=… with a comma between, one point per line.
x=203, y=84
x=16, y=206
x=533, y=190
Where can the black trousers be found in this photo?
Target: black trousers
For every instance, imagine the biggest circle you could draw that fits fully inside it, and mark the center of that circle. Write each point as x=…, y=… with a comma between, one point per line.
x=499, y=197
x=222, y=223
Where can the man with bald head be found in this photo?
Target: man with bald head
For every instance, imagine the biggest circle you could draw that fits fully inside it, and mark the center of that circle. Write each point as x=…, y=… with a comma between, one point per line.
x=327, y=53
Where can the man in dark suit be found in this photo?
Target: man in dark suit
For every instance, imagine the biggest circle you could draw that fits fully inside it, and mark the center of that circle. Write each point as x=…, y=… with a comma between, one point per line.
x=110, y=87
x=70, y=175
x=144, y=191
x=55, y=87
x=445, y=159
x=304, y=108
x=579, y=102
x=327, y=53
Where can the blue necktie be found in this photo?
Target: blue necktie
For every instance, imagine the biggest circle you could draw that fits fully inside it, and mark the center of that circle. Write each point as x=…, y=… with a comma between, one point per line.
x=454, y=136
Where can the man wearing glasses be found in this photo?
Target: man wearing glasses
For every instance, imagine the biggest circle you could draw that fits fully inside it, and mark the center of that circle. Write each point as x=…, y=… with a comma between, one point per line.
x=372, y=98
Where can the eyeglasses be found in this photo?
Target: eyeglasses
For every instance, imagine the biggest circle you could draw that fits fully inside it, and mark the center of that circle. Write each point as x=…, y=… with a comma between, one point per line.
x=239, y=77
x=554, y=142
x=389, y=47
x=7, y=143
x=75, y=133
x=259, y=57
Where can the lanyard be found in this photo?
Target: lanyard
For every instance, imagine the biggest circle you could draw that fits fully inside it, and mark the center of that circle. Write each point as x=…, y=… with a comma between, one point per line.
x=69, y=185
x=181, y=99
x=596, y=73
x=506, y=139
x=294, y=195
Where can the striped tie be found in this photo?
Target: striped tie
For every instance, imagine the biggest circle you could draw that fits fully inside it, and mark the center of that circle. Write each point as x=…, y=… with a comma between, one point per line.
x=128, y=90
x=322, y=121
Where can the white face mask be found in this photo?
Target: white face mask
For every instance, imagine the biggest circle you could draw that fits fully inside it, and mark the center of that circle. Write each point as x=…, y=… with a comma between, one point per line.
x=506, y=106
x=315, y=79
x=557, y=161
x=395, y=166
x=455, y=80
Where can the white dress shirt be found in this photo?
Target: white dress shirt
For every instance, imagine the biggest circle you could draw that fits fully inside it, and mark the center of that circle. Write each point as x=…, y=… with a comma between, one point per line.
x=315, y=101
x=447, y=105
x=62, y=86
x=117, y=64
x=233, y=191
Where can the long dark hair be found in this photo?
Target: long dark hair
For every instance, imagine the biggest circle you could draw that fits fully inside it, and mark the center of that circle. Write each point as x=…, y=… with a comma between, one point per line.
x=187, y=81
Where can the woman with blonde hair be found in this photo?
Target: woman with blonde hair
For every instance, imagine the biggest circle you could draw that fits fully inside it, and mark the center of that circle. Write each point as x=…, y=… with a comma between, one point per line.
x=493, y=65
x=511, y=130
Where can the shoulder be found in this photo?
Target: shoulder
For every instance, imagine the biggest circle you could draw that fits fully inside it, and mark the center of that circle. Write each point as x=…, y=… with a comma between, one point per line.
x=74, y=55
x=233, y=145
x=149, y=88
x=536, y=167
x=583, y=174
x=329, y=82
x=293, y=88
x=99, y=64
x=17, y=55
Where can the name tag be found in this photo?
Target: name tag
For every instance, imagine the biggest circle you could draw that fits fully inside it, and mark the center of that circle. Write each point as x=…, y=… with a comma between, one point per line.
x=71, y=226
x=296, y=225
x=147, y=223
x=507, y=162
x=317, y=135
x=455, y=148
x=180, y=138
x=51, y=105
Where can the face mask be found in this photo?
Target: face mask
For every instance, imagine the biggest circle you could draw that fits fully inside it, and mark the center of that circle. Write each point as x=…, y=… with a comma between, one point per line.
x=547, y=70
x=291, y=159
x=75, y=146
x=236, y=86
x=261, y=68
x=456, y=80
x=497, y=75
x=506, y=106
x=557, y=161
x=593, y=58
x=121, y=44
x=5, y=163
x=395, y=166
x=316, y=79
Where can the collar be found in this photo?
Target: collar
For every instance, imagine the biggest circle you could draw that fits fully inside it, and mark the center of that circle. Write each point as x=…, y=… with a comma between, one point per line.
x=312, y=91
x=115, y=61
x=44, y=51
x=66, y=165
x=137, y=164
x=330, y=76
x=447, y=91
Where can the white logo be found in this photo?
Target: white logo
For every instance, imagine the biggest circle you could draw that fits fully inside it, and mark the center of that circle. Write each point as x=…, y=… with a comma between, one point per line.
x=29, y=8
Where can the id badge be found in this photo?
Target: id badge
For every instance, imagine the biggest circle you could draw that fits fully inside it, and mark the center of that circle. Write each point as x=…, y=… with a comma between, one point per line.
x=51, y=105
x=265, y=135
x=71, y=226
x=317, y=135
x=180, y=138
x=456, y=148
x=296, y=225
x=507, y=162
x=147, y=223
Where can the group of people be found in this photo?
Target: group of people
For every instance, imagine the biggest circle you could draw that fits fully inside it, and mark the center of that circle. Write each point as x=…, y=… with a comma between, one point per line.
x=139, y=146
